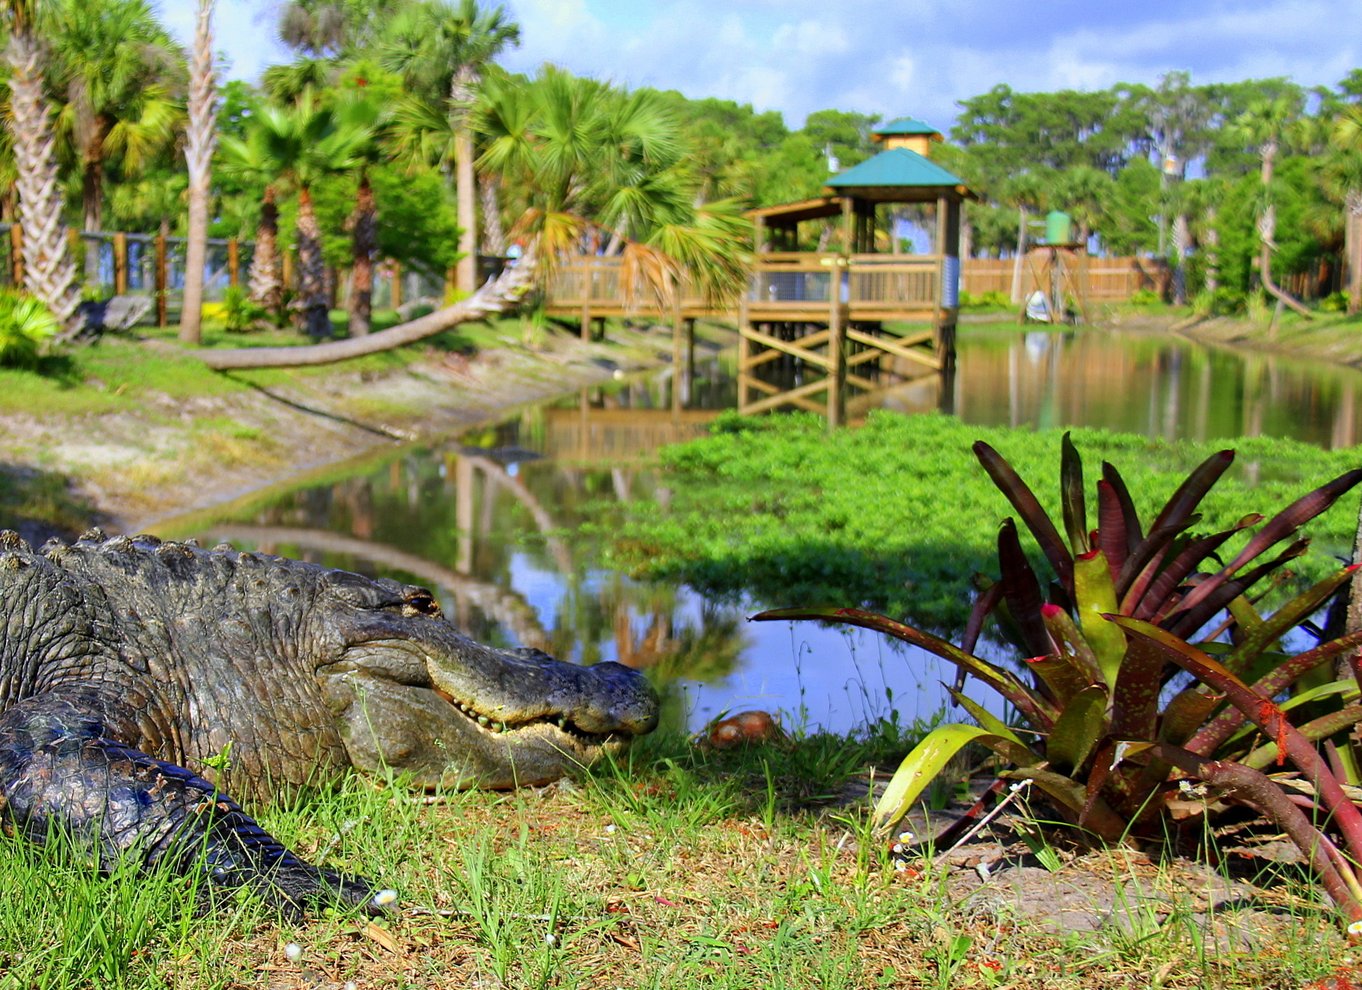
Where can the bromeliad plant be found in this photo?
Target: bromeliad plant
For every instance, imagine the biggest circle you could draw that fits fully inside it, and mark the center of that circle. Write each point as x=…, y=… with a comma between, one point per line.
x=1107, y=725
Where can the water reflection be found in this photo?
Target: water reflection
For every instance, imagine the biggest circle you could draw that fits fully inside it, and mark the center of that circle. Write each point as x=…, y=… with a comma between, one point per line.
x=501, y=522
x=1153, y=385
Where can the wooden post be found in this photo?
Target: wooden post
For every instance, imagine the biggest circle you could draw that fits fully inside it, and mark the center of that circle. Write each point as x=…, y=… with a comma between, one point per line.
x=837, y=342
x=744, y=352
x=397, y=284
x=120, y=261
x=162, y=280
x=287, y=273
x=588, y=284
x=233, y=261
x=678, y=357
x=16, y=254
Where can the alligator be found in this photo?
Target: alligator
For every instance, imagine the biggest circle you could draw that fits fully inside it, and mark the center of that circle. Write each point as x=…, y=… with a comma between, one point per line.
x=147, y=686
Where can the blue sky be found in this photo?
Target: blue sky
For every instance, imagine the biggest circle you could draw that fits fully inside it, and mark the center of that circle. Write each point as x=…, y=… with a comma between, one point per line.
x=891, y=57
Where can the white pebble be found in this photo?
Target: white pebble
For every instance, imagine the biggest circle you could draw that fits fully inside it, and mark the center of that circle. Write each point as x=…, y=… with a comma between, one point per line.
x=610, y=830
x=550, y=938
x=293, y=951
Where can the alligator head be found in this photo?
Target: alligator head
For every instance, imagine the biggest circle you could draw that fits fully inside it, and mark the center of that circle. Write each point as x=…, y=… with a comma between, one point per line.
x=413, y=695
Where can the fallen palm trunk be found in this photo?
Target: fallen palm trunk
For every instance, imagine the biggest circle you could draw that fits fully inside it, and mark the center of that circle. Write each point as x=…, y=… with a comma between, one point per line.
x=494, y=298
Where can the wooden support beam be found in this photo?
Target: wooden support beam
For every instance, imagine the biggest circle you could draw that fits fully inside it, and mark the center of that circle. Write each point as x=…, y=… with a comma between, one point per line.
x=120, y=263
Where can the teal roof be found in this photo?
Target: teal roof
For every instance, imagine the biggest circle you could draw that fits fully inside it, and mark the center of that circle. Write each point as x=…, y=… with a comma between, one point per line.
x=896, y=167
x=906, y=125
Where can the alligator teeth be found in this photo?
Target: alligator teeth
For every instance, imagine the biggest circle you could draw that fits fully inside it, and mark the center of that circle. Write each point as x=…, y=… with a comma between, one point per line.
x=484, y=720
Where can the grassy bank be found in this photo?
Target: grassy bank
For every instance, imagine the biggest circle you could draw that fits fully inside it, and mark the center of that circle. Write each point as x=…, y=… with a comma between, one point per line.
x=898, y=514
x=134, y=429
x=684, y=868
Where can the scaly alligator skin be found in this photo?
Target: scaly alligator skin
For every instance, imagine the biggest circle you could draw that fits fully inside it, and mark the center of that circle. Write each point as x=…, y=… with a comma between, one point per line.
x=128, y=664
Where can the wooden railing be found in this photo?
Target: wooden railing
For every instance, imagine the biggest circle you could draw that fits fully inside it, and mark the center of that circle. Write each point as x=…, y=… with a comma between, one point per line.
x=597, y=285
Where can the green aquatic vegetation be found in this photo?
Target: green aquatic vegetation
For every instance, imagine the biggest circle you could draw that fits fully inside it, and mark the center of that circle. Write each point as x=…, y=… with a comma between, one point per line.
x=897, y=515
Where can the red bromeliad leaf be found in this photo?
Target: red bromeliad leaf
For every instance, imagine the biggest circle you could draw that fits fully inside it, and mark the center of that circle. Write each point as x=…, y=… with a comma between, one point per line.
x=1028, y=507
x=1081, y=726
x=1022, y=591
x=1267, y=715
x=1187, y=618
x=985, y=603
x=1061, y=678
x=1147, y=600
x=1072, y=499
x=1134, y=532
x=1290, y=615
x=1072, y=646
x=1146, y=557
x=1278, y=528
x=1110, y=536
x=1135, y=700
x=1028, y=704
x=1190, y=493
x=1211, y=735
x=1187, y=712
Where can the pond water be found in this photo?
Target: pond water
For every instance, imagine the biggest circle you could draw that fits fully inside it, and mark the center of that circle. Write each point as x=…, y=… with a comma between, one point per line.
x=499, y=521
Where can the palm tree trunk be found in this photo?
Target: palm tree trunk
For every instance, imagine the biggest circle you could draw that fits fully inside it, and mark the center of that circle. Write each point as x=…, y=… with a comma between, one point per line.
x=266, y=281
x=1353, y=227
x=92, y=205
x=1267, y=233
x=493, y=234
x=48, y=270
x=311, y=270
x=1021, y=256
x=200, y=139
x=465, y=183
x=500, y=296
x=364, y=232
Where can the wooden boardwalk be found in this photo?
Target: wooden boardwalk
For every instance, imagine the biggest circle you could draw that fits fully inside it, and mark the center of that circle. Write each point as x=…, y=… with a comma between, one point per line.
x=812, y=324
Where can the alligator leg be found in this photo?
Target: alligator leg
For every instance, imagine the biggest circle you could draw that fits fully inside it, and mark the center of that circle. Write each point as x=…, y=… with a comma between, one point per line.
x=59, y=772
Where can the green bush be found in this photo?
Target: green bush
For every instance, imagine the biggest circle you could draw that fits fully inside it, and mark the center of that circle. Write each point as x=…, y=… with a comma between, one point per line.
x=26, y=327
x=1336, y=302
x=1144, y=297
x=985, y=301
x=239, y=313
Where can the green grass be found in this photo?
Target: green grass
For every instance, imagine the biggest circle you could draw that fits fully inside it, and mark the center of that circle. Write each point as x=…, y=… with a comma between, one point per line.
x=898, y=514
x=672, y=869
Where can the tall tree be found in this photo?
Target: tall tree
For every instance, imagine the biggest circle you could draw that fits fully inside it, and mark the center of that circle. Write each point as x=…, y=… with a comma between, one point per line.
x=116, y=67
x=297, y=145
x=1343, y=176
x=1265, y=123
x=48, y=270
x=200, y=141
x=442, y=51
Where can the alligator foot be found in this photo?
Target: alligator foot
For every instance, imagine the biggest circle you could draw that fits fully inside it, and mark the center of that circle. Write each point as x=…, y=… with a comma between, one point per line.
x=60, y=773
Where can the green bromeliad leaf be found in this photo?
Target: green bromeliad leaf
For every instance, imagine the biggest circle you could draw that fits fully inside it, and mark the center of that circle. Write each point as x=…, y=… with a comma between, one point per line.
x=925, y=763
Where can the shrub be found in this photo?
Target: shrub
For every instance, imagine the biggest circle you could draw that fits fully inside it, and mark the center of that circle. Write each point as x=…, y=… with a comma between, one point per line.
x=1109, y=720
x=239, y=313
x=26, y=327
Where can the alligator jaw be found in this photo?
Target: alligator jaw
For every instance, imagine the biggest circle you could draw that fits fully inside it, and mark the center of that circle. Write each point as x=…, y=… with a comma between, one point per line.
x=562, y=724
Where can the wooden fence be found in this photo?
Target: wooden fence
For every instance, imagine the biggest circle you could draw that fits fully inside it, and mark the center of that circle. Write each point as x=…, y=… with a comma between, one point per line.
x=1109, y=279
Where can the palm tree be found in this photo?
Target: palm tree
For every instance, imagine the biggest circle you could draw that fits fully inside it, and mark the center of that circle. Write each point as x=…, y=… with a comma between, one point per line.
x=200, y=140
x=297, y=145
x=48, y=270
x=1264, y=124
x=1343, y=177
x=116, y=66
x=441, y=51
x=599, y=165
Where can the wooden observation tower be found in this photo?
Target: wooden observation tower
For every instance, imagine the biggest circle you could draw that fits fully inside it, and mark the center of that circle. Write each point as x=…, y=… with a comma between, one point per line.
x=822, y=327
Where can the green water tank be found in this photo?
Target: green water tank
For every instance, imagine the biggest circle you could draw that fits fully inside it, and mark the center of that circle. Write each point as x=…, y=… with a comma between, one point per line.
x=1057, y=224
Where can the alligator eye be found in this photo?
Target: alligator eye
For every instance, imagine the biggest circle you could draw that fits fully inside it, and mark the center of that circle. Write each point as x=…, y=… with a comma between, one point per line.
x=419, y=601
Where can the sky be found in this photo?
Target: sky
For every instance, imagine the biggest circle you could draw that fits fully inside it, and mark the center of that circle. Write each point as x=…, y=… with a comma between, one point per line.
x=888, y=57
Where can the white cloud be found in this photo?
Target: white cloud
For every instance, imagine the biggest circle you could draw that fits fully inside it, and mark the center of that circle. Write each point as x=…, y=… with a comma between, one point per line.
x=887, y=56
